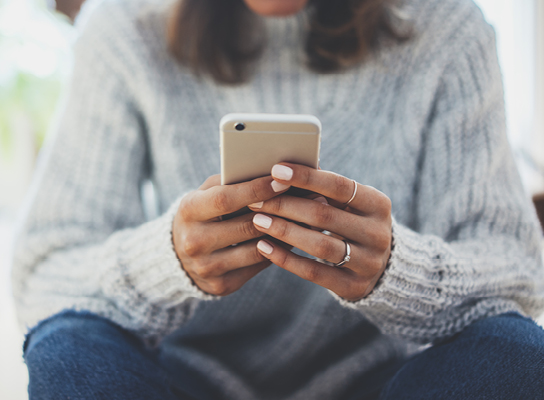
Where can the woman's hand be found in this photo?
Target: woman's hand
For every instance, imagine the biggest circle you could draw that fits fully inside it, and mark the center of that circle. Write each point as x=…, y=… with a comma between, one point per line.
x=204, y=242
x=365, y=225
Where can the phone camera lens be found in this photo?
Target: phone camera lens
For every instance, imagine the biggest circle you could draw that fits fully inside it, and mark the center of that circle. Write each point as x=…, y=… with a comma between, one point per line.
x=239, y=126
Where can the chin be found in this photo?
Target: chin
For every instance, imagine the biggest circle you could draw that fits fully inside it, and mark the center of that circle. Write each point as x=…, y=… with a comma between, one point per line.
x=276, y=8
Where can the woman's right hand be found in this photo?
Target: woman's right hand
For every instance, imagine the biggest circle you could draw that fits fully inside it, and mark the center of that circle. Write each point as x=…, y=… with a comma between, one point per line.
x=204, y=242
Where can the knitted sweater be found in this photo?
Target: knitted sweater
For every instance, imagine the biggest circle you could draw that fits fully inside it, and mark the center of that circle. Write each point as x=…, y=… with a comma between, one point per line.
x=421, y=121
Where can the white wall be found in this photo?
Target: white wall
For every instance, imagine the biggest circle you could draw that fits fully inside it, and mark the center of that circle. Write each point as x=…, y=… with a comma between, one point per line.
x=520, y=42
x=538, y=136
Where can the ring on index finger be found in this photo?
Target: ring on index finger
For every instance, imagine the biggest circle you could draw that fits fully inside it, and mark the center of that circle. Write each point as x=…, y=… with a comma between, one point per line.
x=354, y=193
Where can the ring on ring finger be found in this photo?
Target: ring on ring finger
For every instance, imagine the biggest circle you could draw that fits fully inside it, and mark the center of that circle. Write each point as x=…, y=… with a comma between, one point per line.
x=347, y=256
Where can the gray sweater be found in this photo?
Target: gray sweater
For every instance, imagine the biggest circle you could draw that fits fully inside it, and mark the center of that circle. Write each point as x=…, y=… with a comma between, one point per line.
x=422, y=121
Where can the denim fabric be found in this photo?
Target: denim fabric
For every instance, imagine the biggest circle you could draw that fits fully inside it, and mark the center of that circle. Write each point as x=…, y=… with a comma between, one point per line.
x=82, y=356
x=495, y=358
x=78, y=355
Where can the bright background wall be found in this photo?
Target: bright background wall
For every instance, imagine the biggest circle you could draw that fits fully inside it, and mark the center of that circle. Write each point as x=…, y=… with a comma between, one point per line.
x=35, y=62
x=519, y=31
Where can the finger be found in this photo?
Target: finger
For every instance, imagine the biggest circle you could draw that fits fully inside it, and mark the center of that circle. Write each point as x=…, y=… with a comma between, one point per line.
x=364, y=230
x=314, y=243
x=232, y=281
x=368, y=200
x=203, y=239
x=214, y=180
x=365, y=261
x=342, y=281
x=223, y=261
x=203, y=205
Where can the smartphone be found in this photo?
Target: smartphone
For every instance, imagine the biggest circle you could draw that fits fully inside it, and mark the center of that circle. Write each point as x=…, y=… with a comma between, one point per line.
x=251, y=144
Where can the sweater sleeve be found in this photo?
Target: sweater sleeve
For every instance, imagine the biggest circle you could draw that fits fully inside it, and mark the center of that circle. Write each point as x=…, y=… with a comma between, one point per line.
x=475, y=249
x=83, y=241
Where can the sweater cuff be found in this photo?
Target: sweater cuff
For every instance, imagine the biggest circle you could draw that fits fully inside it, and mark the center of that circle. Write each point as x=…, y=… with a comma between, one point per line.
x=149, y=266
x=411, y=282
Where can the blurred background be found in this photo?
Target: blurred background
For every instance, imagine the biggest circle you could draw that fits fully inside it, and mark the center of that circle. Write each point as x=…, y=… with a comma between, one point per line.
x=35, y=61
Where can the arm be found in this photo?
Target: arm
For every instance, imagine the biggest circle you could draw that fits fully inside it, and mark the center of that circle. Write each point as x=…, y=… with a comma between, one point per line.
x=83, y=243
x=476, y=248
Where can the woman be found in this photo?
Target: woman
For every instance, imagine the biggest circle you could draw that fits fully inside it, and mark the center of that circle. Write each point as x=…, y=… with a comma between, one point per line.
x=444, y=247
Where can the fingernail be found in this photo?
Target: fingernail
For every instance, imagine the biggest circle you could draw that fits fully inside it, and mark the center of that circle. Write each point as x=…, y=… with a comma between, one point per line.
x=278, y=187
x=265, y=247
x=322, y=200
x=262, y=220
x=282, y=172
x=256, y=205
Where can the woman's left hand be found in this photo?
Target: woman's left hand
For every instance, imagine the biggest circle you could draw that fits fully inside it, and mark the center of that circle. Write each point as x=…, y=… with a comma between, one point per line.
x=365, y=224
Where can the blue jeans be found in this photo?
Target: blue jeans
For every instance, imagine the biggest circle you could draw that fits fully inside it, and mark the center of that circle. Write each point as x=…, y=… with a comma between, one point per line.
x=82, y=356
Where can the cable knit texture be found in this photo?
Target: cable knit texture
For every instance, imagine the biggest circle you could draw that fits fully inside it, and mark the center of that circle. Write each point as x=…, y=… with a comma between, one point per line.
x=421, y=121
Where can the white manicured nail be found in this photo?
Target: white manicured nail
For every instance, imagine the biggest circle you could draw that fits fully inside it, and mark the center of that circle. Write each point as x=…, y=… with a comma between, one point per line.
x=278, y=187
x=256, y=205
x=262, y=220
x=282, y=172
x=322, y=200
x=265, y=247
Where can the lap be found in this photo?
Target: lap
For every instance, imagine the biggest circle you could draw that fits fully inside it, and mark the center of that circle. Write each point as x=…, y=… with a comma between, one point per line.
x=83, y=356
x=80, y=355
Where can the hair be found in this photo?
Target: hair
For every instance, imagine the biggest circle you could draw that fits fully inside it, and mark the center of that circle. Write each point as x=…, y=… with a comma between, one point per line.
x=223, y=38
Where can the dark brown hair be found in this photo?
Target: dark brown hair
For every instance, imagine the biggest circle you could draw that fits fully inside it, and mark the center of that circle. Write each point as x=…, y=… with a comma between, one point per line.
x=222, y=38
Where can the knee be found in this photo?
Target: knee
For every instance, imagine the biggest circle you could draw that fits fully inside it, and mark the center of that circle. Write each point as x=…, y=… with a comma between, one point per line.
x=506, y=354
x=68, y=331
x=500, y=358
x=516, y=340
x=70, y=342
